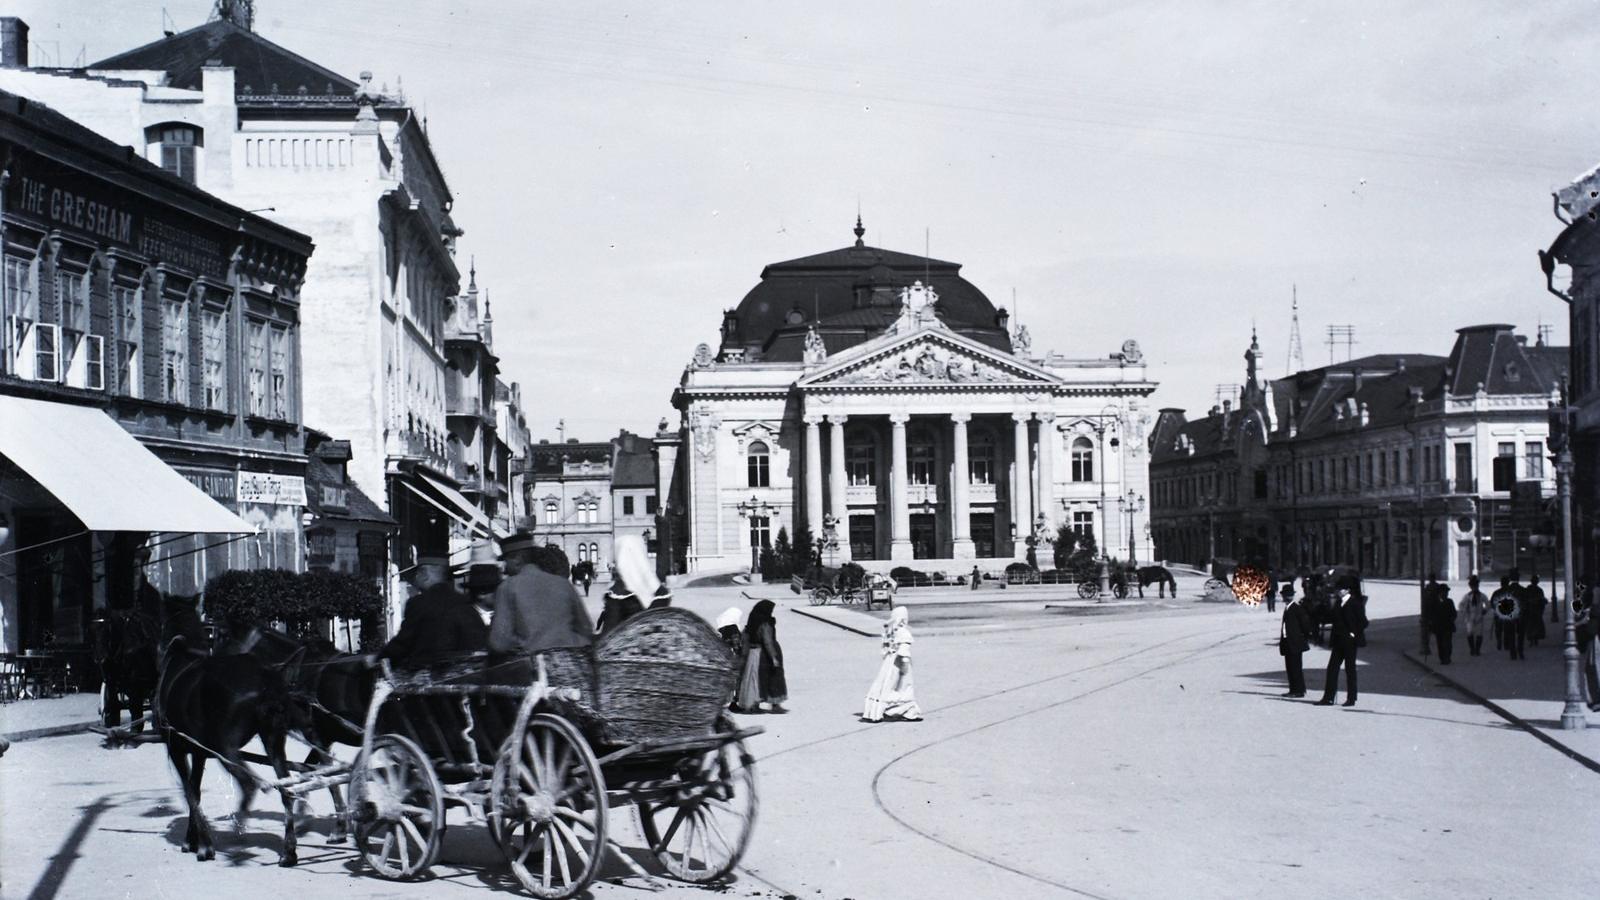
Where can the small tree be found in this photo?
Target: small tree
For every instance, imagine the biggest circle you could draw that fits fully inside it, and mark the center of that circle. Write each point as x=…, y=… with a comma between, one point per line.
x=783, y=555
x=803, y=555
x=769, y=564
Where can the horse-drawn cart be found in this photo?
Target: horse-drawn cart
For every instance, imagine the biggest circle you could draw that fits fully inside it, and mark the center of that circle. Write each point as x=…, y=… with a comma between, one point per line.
x=822, y=585
x=641, y=724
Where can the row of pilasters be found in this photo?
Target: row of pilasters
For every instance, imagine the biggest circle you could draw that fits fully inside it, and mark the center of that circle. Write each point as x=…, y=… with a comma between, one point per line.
x=1030, y=477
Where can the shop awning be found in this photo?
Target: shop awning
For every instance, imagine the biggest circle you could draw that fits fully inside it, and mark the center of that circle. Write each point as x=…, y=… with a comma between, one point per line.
x=453, y=503
x=97, y=470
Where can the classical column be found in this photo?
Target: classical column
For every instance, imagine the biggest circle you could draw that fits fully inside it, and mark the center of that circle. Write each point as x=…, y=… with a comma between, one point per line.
x=1021, y=482
x=813, y=464
x=1047, y=475
x=960, y=510
x=899, y=508
x=838, y=483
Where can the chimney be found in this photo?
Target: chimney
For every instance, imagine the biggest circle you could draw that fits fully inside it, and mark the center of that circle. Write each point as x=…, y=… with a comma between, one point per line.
x=1358, y=378
x=1400, y=364
x=13, y=43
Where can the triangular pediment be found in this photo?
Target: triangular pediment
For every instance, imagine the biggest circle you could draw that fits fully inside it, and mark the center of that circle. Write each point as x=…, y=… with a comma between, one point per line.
x=930, y=356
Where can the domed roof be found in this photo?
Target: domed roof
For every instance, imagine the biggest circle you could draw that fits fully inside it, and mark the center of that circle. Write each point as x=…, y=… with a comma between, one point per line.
x=850, y=296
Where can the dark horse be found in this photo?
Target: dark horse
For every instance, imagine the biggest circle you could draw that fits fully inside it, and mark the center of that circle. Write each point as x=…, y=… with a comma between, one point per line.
x=124, y=644
x=1159, y=576
x=212, y=705
x=333, y=690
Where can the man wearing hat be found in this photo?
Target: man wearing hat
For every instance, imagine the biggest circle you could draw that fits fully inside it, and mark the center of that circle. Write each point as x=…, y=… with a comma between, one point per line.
x=535, y=610
x=440, y=621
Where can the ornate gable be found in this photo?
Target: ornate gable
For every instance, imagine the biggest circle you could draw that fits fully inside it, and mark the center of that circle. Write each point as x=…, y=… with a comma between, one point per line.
x=929, y=356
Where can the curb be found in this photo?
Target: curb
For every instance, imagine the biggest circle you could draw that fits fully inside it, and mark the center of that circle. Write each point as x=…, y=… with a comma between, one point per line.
x=1506, y=714
x=51, y=731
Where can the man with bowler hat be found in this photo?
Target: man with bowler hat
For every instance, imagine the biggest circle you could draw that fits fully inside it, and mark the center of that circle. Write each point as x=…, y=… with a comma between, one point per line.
x=535, y=610
x=440, y=621
x=1348, y=622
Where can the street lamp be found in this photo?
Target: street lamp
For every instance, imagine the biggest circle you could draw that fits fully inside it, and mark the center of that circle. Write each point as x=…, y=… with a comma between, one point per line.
x=1107, y=421
x=751, y=509
x=1572, y=717
x=1133, y=504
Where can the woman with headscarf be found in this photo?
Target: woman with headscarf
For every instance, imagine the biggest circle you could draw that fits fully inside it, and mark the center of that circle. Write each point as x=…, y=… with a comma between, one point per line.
x=620, y=604
x=891, y=695
x=763, y=680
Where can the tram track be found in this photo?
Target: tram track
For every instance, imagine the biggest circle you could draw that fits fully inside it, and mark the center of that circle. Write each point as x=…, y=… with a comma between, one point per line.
x=877, y=793
x=877, y=779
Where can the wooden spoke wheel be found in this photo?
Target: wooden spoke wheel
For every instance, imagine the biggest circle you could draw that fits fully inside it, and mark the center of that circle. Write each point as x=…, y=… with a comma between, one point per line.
x=699, y=825
x=398, y=806
x=548, y=808
x=1087, y=589
x=820, y=596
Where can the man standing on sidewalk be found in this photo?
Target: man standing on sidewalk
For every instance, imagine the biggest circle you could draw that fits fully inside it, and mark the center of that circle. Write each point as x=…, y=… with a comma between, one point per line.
x=1474, y=608
x=1440, y=615
x=1533, y=603
x=1293, y=643
x=1348, y=622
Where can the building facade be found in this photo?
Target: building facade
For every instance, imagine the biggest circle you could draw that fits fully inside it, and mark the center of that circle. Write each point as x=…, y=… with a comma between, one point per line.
x=225, y=109
x=878, y=400
x=1399, y=464
x=1577, y=250
x=569, y=499
x=129, y=291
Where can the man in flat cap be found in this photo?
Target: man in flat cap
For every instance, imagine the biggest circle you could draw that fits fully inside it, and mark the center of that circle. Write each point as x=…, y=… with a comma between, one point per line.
x=440, y=621
x=535, y=610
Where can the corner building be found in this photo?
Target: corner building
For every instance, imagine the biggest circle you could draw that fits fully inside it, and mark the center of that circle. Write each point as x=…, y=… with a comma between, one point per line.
x=881, y=395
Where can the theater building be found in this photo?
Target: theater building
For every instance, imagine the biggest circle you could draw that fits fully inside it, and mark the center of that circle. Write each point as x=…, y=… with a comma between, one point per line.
x=880, y=398
x=149, y=380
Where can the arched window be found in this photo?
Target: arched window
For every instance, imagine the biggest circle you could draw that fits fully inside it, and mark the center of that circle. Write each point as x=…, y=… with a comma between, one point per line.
x=583, y=553
x=173, y=145
x=594, y=553
x=980, y=458
x=1082, y=459
x=760, y=474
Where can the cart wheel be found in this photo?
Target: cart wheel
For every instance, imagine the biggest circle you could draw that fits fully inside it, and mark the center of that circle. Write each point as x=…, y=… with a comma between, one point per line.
x=548, y=808
x=701, y=829
x=1119, y=591
x=398, y=806
x=820, y=596
x=1214, y=584
x=1087, y=589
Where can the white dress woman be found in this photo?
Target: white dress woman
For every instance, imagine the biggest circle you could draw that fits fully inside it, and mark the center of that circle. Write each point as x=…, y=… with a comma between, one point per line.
x=891, y=695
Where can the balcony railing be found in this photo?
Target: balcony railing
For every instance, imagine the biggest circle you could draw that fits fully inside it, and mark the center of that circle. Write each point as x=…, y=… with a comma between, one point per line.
x=1464, y=485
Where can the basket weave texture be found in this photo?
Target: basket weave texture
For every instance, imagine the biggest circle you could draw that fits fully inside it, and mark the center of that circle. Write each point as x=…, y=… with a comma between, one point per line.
x=663, y=674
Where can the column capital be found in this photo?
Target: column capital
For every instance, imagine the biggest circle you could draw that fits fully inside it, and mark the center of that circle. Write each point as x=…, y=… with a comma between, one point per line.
x=1020, y=417
x=961, y=418
x=1047, y=417
x=900, y=418
x=812, y=418
x=837, y=418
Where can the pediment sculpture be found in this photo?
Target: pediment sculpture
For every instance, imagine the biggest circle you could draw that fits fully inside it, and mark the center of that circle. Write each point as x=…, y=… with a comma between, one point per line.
x=926, y=364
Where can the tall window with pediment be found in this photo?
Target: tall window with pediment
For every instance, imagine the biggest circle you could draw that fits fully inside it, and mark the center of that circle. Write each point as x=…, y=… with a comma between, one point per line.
x=214, y=355
x=1082, y=459
x=980, y=458
x=256, y=369
x=919, y=458
x=82, y=353
x=21, y=315
x=758, y=465
x=126, y=310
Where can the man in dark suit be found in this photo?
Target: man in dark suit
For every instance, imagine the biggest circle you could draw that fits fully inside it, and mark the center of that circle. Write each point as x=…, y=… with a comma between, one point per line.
x=1507, y=606
x=1439, y=614
x=1293, y=642
x=1348, y=621
x=535, y=610
x=440, y=621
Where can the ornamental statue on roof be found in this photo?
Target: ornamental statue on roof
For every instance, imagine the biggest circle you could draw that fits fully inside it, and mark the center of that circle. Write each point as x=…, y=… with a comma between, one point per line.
x=815, y=351
x=918, y=307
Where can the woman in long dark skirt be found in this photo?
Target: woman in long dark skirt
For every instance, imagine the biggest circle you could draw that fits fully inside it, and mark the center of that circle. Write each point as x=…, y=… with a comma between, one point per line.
x=620, y=604
x=763, y=680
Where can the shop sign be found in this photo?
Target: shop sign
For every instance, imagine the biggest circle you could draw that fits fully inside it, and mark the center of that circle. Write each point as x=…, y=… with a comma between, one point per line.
x=271, y=489
x=217, y=483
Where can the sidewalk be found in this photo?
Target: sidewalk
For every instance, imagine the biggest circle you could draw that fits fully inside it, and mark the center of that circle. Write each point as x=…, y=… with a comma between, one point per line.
x=21, y=720
x=1530, y=693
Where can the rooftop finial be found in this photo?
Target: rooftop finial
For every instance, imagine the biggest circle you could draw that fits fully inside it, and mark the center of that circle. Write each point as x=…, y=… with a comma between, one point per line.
x=472, y=273
x=860, y=231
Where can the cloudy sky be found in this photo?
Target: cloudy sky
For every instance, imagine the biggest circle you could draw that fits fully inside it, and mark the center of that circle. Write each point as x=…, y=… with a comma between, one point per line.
x=1160, y=171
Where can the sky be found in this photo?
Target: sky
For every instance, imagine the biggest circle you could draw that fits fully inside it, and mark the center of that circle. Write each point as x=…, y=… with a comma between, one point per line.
x=1170, y=172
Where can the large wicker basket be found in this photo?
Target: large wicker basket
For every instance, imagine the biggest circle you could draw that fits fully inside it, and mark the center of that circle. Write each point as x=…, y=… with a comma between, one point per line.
x=663, y=674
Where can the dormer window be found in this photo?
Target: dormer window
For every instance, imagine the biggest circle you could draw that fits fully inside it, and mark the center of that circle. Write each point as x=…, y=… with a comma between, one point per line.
x=1512, y=372
x=174, y=146
x=796, y=316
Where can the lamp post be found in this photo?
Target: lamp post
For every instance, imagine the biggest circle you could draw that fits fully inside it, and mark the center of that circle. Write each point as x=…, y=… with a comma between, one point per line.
x=750, y=509
x=1106, y=421
x=1133, y=504
x=1572, y=717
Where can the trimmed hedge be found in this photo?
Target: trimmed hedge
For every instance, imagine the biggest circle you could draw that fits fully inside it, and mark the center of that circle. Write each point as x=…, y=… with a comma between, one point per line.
x=245, y=597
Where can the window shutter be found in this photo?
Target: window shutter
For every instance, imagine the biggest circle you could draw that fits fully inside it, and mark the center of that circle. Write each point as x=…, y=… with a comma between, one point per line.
x=49, y=303
x=197, y=388
x=150, y=341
